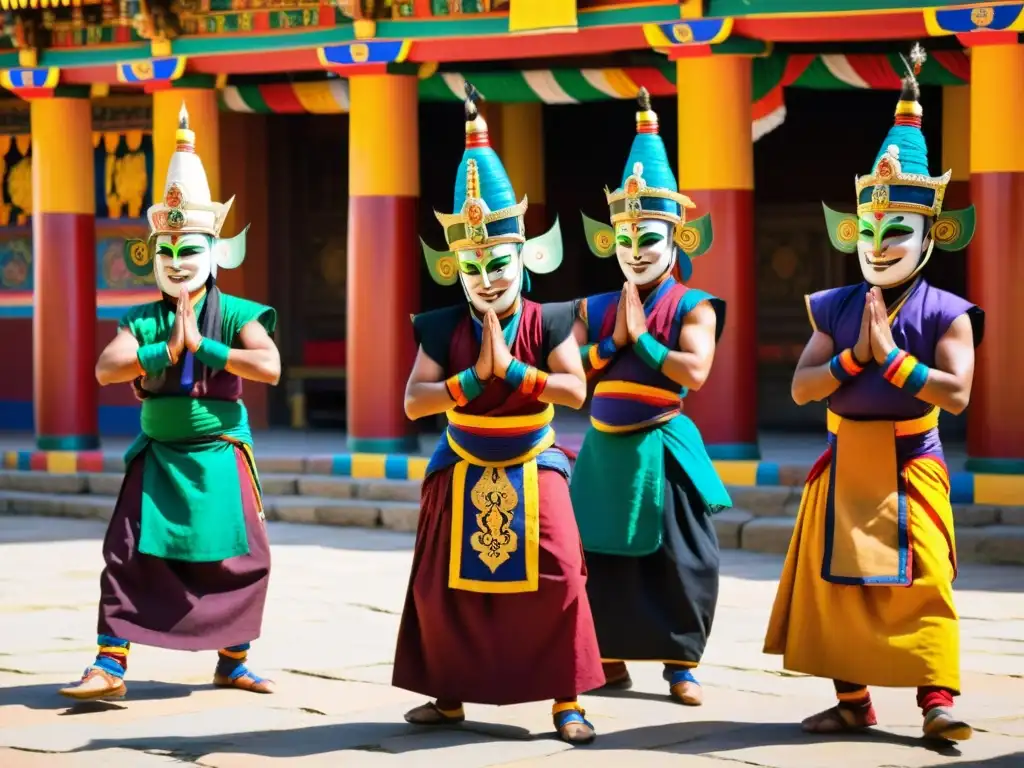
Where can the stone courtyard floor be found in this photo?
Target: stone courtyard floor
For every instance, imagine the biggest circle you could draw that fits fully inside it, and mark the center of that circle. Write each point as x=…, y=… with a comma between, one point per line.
x=328, y=640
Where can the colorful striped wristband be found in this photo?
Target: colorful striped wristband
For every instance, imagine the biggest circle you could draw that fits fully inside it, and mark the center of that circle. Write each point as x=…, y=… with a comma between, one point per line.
x=534, y=383
x=464, y=386
x=154, y=358
x=213, y=354
x=516, y=373
x=905, y=371
x=600, y=354
x=651, y=351
x=844, y=366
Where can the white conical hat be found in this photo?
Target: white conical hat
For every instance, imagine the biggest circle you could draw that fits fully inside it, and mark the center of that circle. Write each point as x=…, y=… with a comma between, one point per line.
x=186, y=205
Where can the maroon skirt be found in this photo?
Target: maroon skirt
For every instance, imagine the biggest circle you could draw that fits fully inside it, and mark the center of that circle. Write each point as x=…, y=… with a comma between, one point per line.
x=479, y=648
x=175, y=604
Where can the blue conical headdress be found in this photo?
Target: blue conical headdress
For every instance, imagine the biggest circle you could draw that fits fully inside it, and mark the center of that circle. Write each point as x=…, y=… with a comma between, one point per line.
x=649, y=189
x=486, y=210
x=899, y=181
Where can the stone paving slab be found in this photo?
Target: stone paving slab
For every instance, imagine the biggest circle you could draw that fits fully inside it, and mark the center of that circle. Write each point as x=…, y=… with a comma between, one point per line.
x=328, y=640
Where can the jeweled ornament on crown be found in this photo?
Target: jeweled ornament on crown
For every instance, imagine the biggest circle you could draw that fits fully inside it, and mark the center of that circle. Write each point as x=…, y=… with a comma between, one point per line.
x=174, y=197
x=474, y=214
x=889, y=165
x=880, y=197
x=175, y=218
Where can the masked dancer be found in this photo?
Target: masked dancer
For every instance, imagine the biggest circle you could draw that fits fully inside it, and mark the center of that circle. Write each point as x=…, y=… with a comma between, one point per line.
x=187, y=556
x=496, y=611
x=643, y=487
x=866, y=593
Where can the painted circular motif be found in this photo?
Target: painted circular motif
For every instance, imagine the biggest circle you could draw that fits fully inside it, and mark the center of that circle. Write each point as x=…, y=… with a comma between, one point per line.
x=139, y=254
x=946, y=230
x=447, y=267
x=175, y=219
x=884, y=168
x=475, y=214
x=982, y=17
x=688, y=238
x=603, y=241
x=846, y=232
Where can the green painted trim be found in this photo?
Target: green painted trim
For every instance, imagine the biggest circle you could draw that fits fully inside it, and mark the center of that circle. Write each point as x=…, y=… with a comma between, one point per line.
x=995, y=466
x=68, y=443
x=742, y=46
x=424, y=29
x=251, y=95
x=614, y=17
x=9, y=60
x=719, y=8
x=575, y=84
x=94, y=56
x=404, y=444
x=204, y=45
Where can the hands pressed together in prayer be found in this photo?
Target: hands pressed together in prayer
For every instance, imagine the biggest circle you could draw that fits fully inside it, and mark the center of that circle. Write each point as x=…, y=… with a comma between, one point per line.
x=185, y=333
x=495, y=357
x=630, y=320
x=875, y=339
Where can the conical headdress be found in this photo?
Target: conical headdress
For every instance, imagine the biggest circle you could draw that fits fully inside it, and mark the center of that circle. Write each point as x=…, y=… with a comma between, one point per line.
x=187, y=206
x=899, y=181
x=487, y=212
x=649, y=189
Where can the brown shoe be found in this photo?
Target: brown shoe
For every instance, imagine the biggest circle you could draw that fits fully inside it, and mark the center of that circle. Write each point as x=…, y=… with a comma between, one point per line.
x=573, y=727
x=839, y=720
x=431, y=714
x=683, y=687
x=246, y=682
x=616, y=676
x=939, y=723
x=96, y=684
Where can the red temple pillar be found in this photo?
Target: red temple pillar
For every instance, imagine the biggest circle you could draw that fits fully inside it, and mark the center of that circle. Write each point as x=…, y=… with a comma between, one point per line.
x=995, y=260
x=65, y=392
x=716, y=170
x=383, y=259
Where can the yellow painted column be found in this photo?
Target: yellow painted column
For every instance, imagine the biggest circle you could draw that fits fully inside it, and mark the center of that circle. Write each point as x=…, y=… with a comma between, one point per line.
x=522, y=153
x=384, y=260
x=204, y=119
x=716, y=169
x=995, y=259
x=64, y=256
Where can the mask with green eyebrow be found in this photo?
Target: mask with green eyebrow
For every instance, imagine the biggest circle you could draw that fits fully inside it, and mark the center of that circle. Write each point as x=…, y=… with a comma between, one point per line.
x=183, y=262
x=644, y=249
x=491, y=277
x=890, y=247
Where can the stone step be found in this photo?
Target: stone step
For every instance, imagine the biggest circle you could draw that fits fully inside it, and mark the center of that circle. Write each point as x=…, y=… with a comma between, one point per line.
x=980, y=538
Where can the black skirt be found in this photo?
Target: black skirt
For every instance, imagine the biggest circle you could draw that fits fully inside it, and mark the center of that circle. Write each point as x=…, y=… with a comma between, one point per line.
x=660, y=607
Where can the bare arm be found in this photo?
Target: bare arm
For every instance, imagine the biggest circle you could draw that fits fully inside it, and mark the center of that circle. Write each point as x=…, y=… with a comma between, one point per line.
x=579, y=332
x=426, y=393
x=691, y=364
x=567, y=384
x=119, y=360
x=812, y=380
x=949, y=383
x=259, y=359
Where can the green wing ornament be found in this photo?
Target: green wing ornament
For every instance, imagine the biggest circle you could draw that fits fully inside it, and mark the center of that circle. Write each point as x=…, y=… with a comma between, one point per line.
x=842, y=229
x=695, y=237
x=443, y=265
x=953, y=230
x=600, y=237
x=542, y=255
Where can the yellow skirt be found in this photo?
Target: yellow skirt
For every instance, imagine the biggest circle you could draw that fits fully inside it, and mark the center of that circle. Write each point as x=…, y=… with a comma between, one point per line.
x=896, y=636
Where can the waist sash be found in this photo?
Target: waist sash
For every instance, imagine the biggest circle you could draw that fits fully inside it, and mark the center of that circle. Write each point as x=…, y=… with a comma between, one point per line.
x=625, y=406
x=495, y=536
x=867, y=537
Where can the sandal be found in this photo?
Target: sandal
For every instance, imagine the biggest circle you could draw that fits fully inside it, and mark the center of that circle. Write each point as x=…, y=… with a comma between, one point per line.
x=431, y=714
x=96, y=684
x=573, y=726
x=838, y=720
x=940, y=724
x=244, y=680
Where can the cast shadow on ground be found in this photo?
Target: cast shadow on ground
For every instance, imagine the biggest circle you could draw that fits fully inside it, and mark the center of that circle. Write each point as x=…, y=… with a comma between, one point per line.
x=693, y=738
x=1016, y=760
x=45, y=696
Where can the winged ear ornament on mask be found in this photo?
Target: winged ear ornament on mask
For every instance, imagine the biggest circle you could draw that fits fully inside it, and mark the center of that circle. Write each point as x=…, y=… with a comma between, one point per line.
x=951, y=231
x=693, y=238
x=228, y=253
x=442, y=265
x=542, y=255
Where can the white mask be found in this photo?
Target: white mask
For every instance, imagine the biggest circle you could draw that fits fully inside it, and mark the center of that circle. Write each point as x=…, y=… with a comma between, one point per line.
x=183, y=262
x=491, y=277
x=890, y=248
x=645, y=249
